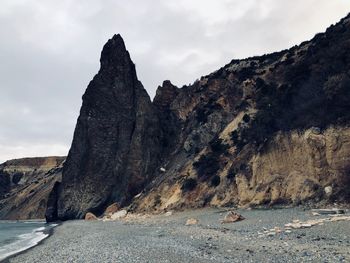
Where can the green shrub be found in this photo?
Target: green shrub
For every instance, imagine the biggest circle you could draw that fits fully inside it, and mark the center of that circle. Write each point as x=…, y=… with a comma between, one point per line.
x=202, y=116
x=246, y=118
x=207, y=166
x=204, y=111
x=231, y=175
x=234, y=136
x=215, y=181
x=189, y=185
x=336, y=85
x=243, y=167
x=217, y=146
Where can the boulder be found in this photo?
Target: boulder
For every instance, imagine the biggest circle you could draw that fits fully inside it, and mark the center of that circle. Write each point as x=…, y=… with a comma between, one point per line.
x=113, y=208
x=328, y=190
x=90, y=217
x=120, y=214
x=232, y=217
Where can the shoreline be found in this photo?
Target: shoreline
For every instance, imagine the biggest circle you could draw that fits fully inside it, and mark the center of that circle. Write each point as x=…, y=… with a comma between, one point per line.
x=160, y=238
x=48, y=232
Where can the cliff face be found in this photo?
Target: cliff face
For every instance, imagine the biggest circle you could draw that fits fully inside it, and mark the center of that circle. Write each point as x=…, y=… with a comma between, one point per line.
x=115, y=147
x=298, y=167
x=265, y=130
x=262, y=131
x=26, y=185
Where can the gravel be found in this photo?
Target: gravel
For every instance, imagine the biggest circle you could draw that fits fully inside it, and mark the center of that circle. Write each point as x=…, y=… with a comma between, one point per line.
x=166, y=239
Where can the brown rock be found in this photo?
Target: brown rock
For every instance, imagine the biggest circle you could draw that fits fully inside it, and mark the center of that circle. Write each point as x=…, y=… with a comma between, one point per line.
x=25, y=186
x=113, y=208
x=232, y=217
x=191, y=222
x=90, y=217
x=120, y=214
x=263, y=168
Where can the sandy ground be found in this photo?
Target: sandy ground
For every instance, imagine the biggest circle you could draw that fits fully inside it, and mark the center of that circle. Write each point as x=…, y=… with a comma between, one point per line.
x=166, y=239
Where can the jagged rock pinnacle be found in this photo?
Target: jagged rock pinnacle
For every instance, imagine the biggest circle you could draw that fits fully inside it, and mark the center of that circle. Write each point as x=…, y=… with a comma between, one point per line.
x=110, y=144
x=114, y=52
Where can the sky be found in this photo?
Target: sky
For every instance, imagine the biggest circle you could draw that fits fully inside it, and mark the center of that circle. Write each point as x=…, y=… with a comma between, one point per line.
x=50, y=51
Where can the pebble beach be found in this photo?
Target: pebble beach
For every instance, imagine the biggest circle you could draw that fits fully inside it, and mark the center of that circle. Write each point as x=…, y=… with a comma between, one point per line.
x=260, y=237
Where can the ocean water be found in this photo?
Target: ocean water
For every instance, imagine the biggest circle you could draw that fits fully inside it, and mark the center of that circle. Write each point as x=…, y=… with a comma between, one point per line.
x=17, y=236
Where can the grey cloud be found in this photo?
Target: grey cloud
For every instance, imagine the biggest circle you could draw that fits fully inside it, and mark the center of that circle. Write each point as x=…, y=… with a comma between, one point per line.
x=49, y=52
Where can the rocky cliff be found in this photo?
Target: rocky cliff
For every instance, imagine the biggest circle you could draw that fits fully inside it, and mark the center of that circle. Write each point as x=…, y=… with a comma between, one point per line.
x=261, y=131
x=115, y=148
x=265, y=130
x=25, y=185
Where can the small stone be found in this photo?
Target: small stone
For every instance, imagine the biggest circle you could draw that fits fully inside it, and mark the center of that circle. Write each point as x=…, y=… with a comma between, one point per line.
x=191, y=222
x=277, y=230
x=90, y=217
x=332, y=211
x=169, y=213
x=328, y=190
x=306, y=225
x=232, y=217
x=138, y=195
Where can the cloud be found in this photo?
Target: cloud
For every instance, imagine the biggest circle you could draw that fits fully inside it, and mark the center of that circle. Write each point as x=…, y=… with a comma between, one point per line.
x=50, y=50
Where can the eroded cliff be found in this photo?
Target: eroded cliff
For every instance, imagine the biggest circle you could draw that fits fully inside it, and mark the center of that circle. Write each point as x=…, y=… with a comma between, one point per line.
x=27, y=183
x=265, y=130
x=262, y=131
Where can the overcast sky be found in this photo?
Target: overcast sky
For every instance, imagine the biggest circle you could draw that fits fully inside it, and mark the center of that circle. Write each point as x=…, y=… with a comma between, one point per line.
x=50, y=51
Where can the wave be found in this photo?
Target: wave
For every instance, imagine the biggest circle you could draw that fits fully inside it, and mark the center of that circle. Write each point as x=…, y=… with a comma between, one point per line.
x=24, y=242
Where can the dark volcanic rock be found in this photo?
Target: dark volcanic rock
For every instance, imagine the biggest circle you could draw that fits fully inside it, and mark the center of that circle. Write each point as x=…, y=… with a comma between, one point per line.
x=165, y=95
x=5, y=183
x=51, y=207
x=114, y=152
x=169, y=121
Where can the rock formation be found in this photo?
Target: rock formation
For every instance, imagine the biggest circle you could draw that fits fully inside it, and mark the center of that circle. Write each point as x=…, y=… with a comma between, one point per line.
x=262, y=131
x=265, y=130
x=115, y=149
x=26, y=184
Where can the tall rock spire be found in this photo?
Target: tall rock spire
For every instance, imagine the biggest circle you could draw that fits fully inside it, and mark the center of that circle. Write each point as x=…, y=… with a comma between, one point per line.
x=114, y=150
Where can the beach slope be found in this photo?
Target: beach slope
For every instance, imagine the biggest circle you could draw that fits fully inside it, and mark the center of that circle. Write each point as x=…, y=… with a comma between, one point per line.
x=261, y=237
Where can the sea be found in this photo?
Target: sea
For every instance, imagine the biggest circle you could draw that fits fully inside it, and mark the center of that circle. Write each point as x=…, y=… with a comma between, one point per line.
x=17, y=236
